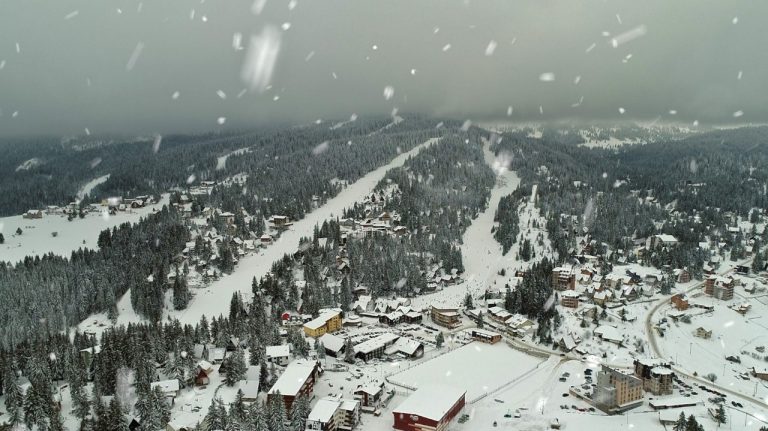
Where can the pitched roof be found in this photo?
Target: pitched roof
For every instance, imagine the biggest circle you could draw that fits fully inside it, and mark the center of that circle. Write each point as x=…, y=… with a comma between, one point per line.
x=293, y=378
x=431, y=401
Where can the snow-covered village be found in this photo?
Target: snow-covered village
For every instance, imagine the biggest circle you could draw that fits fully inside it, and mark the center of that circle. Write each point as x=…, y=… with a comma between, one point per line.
x=373, y=216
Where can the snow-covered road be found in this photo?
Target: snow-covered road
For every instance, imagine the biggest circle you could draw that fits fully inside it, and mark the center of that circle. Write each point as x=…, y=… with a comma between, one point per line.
x=214, y=299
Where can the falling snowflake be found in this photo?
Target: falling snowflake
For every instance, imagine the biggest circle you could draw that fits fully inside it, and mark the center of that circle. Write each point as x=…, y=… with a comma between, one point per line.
x=321, y=148
x=693, y=166
x=510, y=110
x=237, y=41
x=292, y=4
x=95, y=162
x=156, y=143
x=547, y=77
x=739, y=75
x=622, y=110
x=466, y=125
x=309, y=56
x=491, y=48
x=175, y=95
x=672, y=112
x=258, y=6
x=735, y=20
x=191, y=179
x=260, y=59
x=446, y=47
x=389, y=91
x=134, y=56
x=576, y=80
x=72, y=14
x=413, y=71
x=285, y=26
x=221, y=120
x=222, y=95
x=629, y=36
x=590, y=48
x=738, y=114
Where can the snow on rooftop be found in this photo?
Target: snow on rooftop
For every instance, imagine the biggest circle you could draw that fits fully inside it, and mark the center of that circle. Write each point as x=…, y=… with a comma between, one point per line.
x=376, y=343
x=332, y=342
x=278, y=351
x=320, y=320
x=166, y=385
x=324, y=410
x=431, y=401
x=293, y=378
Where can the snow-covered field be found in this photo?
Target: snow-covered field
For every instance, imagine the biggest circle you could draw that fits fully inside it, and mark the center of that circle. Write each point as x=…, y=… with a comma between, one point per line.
x=477, y=367
x=733, y=334
x=214, y=299
x=37, y=234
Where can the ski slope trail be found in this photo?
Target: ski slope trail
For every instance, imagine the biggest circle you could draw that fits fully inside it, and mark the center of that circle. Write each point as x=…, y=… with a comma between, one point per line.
x=214, y=299
x=480, y=251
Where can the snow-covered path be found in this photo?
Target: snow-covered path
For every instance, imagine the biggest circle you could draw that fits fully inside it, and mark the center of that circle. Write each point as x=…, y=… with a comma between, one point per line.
x=480, y=251
x=214, y=299
x=90, y=185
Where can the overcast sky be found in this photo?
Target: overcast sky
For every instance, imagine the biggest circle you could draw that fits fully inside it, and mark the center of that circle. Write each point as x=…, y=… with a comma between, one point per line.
x=115, y=66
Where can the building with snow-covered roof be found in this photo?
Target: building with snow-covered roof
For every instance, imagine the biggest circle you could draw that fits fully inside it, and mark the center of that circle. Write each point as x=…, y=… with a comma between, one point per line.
x=370, y=394
x=448, y=317
x=664, y=240
x=331, y=413
x=485, y=336
x=617, y=391
x=563, y=278
x=719, y=287
x=406, y=347
x=570, y=299
x=327, y=321
x=673, y=402
x=333, y=345
x=279, y=355
x=657, y=376
x=375, y=347
x=170, y=389
x=429, y=407
x=297, y=379
x=609, y=333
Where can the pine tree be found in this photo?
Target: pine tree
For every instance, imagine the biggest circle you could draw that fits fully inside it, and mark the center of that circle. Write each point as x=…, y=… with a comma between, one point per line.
x=14, y=401
x=439, y=339
x=720, y=416
x=299, y=412
x=468, y=302
x=681, y=424
x=320, y=349
x=237, y=410
x=81, y=406
x=162, y=411
x=480, y=320
x=35, y=410
x=257, y=418
x=181, y=295
x=276, y=417
x=216, y=418
x=349, y=352
x=236, y=368
x=117, y=421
